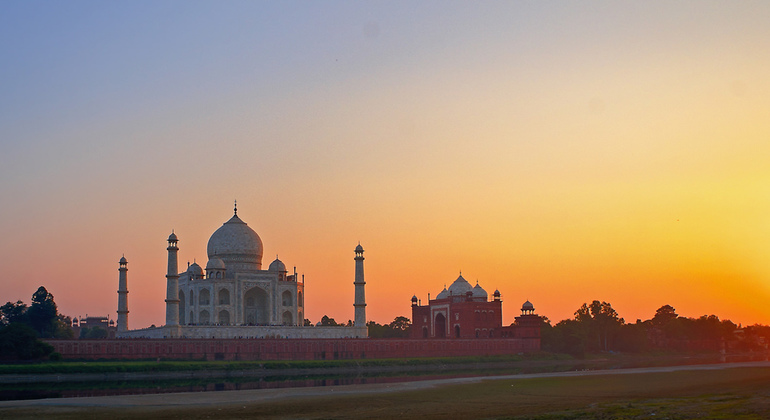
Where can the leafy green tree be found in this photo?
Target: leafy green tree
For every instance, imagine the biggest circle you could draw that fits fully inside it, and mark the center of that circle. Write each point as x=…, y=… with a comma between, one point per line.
x=19, y=342
x=63, y=327
x=93, y=333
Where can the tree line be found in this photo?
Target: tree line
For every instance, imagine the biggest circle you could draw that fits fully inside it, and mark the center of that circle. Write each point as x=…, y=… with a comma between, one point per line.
x=398, y=328
x=598, y=327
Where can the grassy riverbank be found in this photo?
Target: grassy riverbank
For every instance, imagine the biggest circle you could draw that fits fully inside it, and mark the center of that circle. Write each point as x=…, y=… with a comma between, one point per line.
x=719, y=393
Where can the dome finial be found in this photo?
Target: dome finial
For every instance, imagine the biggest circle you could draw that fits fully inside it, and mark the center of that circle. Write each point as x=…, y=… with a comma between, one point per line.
x=235, y=207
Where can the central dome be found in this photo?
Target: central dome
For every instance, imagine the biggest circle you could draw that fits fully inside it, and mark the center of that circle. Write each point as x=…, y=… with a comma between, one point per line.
x=460, y=287
x=235, y=242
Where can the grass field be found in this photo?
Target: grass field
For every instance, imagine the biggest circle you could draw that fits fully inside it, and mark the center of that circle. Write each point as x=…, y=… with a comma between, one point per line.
x=733, y=393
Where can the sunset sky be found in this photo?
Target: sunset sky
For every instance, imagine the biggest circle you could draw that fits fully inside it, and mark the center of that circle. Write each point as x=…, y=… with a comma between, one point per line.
x=560, y=152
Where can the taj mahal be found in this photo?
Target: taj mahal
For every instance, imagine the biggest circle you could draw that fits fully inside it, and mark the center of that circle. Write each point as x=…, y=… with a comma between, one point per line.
x=233, y=296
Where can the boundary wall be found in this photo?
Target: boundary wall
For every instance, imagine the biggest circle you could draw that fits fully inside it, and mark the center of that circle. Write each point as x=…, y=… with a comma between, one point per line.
x=289, y=349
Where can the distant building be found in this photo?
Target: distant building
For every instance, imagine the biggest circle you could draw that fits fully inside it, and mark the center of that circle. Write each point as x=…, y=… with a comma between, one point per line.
x=465, y=311
x=83, y=327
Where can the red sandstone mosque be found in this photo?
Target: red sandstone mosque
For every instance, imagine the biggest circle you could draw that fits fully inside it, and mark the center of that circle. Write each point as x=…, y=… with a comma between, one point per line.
x=464, y=311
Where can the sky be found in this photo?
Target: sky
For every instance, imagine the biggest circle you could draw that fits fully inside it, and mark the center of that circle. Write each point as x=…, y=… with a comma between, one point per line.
x=560, y=152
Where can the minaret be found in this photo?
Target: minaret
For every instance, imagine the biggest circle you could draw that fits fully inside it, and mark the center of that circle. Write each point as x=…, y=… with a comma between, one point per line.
x=123, y=295
x=360, y=303
x=172, y=283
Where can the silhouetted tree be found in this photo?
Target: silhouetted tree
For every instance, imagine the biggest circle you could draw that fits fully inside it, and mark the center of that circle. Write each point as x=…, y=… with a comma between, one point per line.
x=399, y=328
x=42, y=313
x=328, y=322
x=664, y=315
x=601, y=323
x=13, y=312
x=567, y=336
x=401, y=325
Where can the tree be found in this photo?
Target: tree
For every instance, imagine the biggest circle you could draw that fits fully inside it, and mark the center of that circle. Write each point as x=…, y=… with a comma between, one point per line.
x=399, y=328
x=328, y=322
x=19, y=342
x=13, y=312
x=664, y=315
x=600, y=322
x=42, y=313
x=93, y=333
x=401, y=324
x=63, y=327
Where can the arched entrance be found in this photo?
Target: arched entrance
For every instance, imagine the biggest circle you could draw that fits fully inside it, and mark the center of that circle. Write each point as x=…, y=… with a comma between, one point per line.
x=255, y=308
x=224, y=318
x=287, y=318
x=439, y=326
x=457, y=331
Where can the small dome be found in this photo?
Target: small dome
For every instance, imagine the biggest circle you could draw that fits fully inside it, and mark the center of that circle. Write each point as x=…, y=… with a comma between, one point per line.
x=195, y=269
x=172, y=237
x=460, y=287
x=479, y=292
x=527, y=306
x=414, y=298
x=123, y=260
x=215, y=264
x=277, y=265
x=443, y=294
x=497, y=293
x=359, y=248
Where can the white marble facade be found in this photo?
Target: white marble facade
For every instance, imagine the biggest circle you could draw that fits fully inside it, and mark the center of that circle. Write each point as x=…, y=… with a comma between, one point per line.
x=233, y=296
x=233, y=290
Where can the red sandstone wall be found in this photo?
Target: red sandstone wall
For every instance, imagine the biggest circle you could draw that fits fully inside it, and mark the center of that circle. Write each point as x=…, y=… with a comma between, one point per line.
x=288, y=349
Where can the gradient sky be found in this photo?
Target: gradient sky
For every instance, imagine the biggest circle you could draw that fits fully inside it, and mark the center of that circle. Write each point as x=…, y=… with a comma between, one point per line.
x=560, y=152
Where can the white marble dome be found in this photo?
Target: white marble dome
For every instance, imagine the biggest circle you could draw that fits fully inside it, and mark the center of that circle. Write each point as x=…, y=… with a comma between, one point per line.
x=277, y=265
x=235, y=242
x=479, y=292
x=460, y=287
x=215, y=264
x=195, y=269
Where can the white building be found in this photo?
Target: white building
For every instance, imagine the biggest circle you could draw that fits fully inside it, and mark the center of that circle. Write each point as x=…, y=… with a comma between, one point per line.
x=234, y=297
